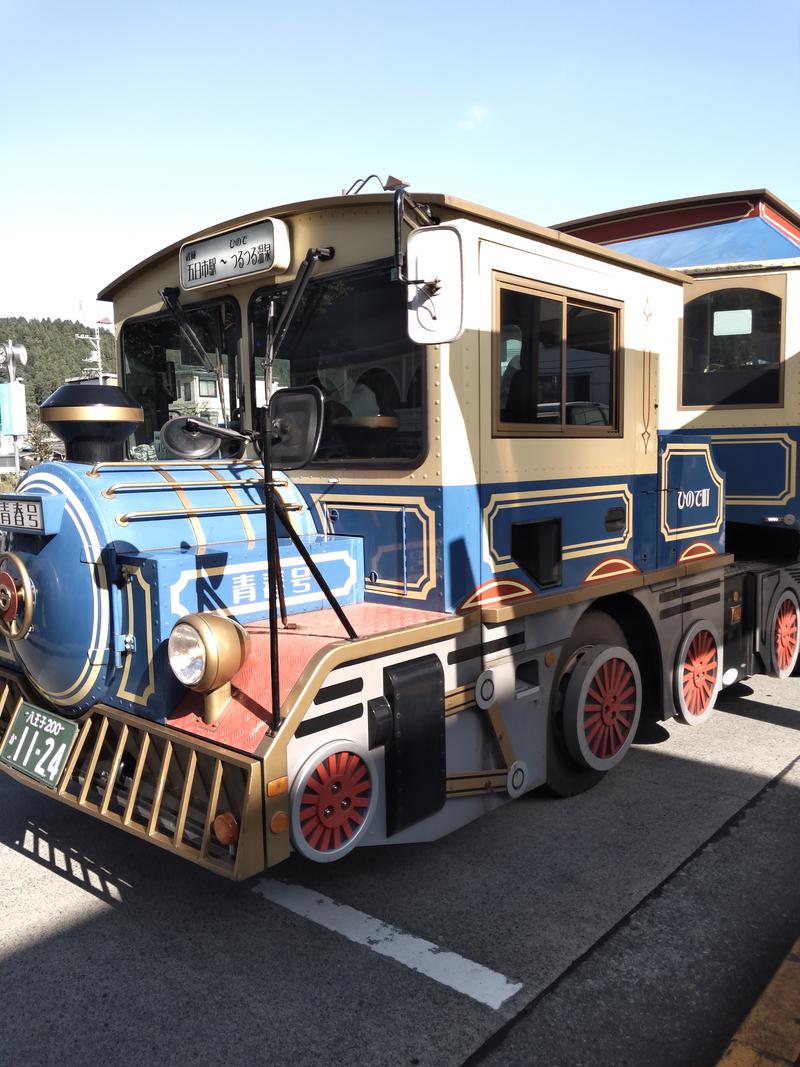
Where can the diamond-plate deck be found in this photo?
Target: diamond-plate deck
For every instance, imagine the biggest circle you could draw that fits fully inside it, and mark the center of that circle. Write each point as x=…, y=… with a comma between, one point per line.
x=246, y=719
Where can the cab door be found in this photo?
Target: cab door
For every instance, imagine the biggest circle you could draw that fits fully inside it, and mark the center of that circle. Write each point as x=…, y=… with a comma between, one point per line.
x=558, y=450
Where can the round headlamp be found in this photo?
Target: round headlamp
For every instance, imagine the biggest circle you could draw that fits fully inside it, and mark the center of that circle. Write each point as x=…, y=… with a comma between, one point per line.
x=205, y=651
x=187, y=654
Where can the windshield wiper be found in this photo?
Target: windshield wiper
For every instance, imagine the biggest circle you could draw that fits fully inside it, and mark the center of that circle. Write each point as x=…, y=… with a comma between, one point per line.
x=277, y=334
x=171, y=298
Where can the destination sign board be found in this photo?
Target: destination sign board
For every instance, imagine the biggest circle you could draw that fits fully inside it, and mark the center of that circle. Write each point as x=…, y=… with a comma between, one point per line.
x=26, y=513
x=260, y=248
x=21, y=513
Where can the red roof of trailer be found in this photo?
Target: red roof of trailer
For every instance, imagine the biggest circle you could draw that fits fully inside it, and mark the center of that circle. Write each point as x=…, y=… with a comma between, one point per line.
x=668, y=215
x=751, y=226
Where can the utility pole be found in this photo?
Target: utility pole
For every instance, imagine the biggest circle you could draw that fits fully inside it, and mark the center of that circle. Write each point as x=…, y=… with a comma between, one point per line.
x=95, y=355
x=14, y=356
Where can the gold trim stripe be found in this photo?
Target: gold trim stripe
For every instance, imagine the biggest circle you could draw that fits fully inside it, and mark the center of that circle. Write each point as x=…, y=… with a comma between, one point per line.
x=416, y=588
x=493, y=616
x=789, y=489
x=223, y=483
x=476, y=783
x=537, y=498
x=200, y=536
x=92, y=413
x=123, y=692
x=703, y=529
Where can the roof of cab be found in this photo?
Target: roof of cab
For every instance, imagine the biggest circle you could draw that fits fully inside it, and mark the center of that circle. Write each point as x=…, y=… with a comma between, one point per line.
x=450, y=207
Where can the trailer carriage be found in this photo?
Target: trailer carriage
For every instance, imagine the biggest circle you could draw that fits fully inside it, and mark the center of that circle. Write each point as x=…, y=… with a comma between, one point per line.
x=493, y=569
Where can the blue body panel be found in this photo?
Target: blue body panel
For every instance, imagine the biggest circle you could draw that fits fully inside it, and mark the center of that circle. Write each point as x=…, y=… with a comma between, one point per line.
x=138, y=547
x=761, y=469
x=132, y=556
x=437, y=547
x=161, y=587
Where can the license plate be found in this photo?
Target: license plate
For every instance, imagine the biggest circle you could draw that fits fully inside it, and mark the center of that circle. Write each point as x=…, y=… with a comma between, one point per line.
x=38, y=743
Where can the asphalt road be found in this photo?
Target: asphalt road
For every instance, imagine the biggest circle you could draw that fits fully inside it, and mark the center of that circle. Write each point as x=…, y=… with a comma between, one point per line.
x=633, y=925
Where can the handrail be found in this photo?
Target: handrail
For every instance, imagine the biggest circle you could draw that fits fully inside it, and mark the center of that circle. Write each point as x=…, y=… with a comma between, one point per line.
x=193, y=513
x=132, y=487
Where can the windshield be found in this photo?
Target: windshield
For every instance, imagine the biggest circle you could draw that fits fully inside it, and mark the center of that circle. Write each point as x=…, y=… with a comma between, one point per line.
x=167, y=377
x=349, y=338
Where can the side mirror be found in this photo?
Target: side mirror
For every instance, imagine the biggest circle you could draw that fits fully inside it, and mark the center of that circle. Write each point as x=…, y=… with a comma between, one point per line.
x=294, y=418
x=436, y=299
x=195, y=439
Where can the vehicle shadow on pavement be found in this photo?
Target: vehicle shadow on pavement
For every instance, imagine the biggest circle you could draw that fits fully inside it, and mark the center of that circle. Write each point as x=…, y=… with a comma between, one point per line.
x=61, y=857
x=738, y=701
x=167, y=962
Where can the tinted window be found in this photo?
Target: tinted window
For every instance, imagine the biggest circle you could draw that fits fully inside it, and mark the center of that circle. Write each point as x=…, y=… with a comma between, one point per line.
x=557, y=362
x=162, y=372
x=732, y=349
x=349, y=338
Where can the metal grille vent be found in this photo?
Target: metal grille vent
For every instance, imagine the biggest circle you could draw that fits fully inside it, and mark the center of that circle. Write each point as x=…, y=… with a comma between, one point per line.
x=159, y=785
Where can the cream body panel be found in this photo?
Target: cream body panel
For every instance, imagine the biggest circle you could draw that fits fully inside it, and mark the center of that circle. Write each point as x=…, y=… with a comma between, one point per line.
x=459, y=375
x=357, y=234
x=673, y=417
x=649, y=325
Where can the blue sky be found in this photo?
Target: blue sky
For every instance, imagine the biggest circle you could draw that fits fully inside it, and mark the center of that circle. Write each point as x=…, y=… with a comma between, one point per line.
x=125, y=126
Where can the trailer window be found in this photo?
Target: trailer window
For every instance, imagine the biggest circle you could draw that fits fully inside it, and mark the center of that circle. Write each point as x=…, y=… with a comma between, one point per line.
x=163, y=373
x=556, y=364
x=349, y=338
x=732, y=349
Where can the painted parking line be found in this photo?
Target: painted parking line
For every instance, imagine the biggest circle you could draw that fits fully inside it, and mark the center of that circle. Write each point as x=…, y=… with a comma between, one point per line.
x=463, y=975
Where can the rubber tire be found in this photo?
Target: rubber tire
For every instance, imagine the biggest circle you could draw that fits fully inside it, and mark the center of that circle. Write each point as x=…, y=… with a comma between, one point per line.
x=565, y=778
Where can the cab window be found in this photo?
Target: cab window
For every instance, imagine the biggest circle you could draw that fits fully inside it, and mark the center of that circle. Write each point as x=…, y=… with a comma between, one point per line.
x=732, y=349
x=164, y=374
x=349, y=338
x=556, y=365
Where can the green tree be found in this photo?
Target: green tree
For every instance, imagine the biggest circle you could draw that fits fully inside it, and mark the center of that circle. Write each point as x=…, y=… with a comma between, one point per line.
x=53, y=354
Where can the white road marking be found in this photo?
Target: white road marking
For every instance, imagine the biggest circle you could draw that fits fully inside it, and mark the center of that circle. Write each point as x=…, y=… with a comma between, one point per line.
x=457, y=972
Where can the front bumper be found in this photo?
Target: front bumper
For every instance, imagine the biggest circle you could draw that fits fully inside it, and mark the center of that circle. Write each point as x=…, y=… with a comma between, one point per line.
x=158, y=784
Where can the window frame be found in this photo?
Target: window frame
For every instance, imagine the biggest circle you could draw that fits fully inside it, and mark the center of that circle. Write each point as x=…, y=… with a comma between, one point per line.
x=201, y=382
x=562, y=430
x=355, y=463
x=774, y=285
x=235, y=396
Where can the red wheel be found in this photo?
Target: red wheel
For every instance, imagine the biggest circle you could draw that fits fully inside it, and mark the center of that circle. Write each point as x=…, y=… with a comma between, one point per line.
x=332, y=802
x=602, y=705
x=785, y=645
x=16, y=597
x=698, y=677
x=9, y=599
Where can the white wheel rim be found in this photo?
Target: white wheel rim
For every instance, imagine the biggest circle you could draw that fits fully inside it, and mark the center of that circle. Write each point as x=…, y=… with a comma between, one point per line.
x=308, y=814
x=784, y=635
x=698, y=673
x=602, y=707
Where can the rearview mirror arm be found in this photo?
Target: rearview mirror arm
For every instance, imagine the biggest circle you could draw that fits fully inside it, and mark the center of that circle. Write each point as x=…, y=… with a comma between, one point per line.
x=424, y=218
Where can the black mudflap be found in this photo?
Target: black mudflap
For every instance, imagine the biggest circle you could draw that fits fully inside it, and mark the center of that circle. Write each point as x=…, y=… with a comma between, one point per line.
x=416, y=771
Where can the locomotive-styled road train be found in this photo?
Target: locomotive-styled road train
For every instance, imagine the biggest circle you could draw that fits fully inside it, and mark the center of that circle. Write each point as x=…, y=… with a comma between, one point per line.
x=495, y=568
